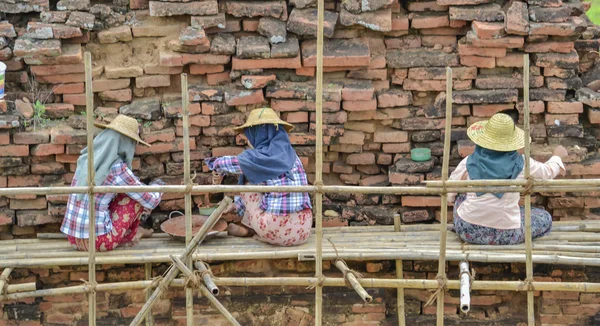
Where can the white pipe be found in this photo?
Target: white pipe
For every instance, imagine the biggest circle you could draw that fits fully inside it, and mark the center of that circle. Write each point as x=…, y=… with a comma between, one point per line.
x=465, y=287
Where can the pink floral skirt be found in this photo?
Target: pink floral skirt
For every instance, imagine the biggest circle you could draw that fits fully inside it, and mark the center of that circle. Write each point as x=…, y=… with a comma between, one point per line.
x=281, y=230
x=125, y=213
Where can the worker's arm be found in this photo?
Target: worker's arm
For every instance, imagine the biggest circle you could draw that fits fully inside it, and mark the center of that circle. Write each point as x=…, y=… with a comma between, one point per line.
x=224, y=164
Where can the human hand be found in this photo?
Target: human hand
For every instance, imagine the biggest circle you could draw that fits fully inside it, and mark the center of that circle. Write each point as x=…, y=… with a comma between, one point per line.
x=561, y=152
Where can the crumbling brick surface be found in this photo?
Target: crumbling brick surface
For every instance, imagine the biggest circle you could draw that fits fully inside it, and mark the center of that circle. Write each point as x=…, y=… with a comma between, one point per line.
x=384, y=65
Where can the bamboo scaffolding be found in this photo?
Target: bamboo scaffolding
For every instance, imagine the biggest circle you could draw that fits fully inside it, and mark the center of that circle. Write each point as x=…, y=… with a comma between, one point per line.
x=25, y=287
x=352, y=280
x=218, y=305
x=444, y=198
x=172, y=272
x=206, y=277
x=528, y=239
x=399, y=275
x=4, y=279
x=185, y=271
x=319, y=166
x=89, y=109
x=189, y=294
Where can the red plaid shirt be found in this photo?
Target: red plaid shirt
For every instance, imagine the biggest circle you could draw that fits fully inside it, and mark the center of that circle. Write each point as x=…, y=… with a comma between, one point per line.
x=76, y=222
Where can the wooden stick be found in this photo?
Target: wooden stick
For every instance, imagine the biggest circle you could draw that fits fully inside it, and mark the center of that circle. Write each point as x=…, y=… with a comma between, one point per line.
x=444, y=199
x=528, y=245
x=148, y=276
x=319, y=165
x=186, y=271
x=4, y=279
x=25, y=287
x=218, y=305
x=206, y=277
x=89, y=109
x=172, y=273
x=189, y=292
x=399, y=275
x=351, y=278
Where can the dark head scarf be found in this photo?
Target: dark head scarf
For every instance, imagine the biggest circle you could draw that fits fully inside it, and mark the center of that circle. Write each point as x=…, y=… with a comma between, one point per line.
x=272, y=155
x=110, y=147
x=487, y=164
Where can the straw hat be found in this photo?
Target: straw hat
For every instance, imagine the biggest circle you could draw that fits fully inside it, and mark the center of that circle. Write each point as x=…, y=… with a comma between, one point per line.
x=124, y=125
x=263, y=116
x=498, y=134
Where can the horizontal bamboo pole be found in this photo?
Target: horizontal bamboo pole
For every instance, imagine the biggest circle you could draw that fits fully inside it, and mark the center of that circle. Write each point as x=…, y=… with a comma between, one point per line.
x=201, y=189
x=310, y=281
x=520, y=182
x=351, y=278
x=4, y=279
x=25, y=287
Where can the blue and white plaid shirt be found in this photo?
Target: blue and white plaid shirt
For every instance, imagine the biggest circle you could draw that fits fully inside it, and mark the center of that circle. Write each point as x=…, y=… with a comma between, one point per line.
x=277, y=203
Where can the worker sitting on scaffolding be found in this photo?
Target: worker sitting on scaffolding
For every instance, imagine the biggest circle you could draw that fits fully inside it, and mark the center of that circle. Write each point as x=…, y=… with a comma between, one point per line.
x=496, y=218
x=283, y=219
x=117, y=215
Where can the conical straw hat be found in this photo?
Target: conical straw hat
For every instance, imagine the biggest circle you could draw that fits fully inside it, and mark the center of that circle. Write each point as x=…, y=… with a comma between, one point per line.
x=125, y=125
x=264, y=116
x=498, y=134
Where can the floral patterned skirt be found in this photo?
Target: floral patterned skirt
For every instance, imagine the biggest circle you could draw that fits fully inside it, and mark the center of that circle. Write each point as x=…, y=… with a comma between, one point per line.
x=281, y=230
x=541, y=224
x=125, y=213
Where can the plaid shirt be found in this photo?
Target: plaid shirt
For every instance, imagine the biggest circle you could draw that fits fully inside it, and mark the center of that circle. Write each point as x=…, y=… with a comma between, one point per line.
x=278, y=203
x=76, y=222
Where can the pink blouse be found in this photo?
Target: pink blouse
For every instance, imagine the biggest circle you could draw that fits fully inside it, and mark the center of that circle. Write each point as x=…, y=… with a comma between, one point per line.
x=500, y=213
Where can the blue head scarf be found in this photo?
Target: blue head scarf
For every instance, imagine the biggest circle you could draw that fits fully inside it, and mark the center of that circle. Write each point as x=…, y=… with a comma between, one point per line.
x=272, y=155
x=488, y=164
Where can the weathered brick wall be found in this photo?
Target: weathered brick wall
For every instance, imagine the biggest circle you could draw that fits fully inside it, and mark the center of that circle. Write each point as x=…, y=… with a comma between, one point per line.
x=384, y=69
x=295, y=305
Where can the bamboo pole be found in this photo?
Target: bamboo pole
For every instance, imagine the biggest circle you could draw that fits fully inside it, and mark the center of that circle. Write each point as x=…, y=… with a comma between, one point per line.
x=399, y=275
x=392, y=190
x=206, y=277
x=172, y=273
x=528, y=245
x=351, y=278
x=184, y=270
x=25, y=287
x=4, y=279
x=444, y=201
x=319, y=166
x=189, y=292
x=89, y=108
x=148, y=276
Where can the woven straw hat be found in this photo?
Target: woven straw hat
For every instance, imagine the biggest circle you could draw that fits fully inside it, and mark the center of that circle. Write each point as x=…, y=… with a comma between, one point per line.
x=498, y=134
x=124, y=125
x=264, y=116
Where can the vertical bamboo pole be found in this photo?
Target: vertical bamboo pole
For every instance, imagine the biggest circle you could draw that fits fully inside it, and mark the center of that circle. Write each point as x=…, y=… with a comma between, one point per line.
x=89, y=109
x=399, y=275
x=319, y=166
x=528, y=245
x=444, y=204
x=148, y=276
x=189, y=294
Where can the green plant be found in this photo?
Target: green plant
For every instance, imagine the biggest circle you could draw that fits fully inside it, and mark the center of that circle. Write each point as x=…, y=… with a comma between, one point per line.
x=147, y=124
x=39, y=115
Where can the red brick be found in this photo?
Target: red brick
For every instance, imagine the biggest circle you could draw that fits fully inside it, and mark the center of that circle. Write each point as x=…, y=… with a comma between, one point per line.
x=361, y=159
x=296, y=117
x=376, y=180
x=488, y=110
x=121, y=95
x=543, y=47
x=398, y=178
x=153, y=81
x=433, y=40
x=390, y=136
x=429, y=21
x=74, y=99
x=394, y=99
x=360, y=105
x=465, y=49
x=396, y=148
x=14, y=150
x=420, y=201
x=245, y=97
x=250, y=25
x=4, y=138
x=279, y=63
x=172, y=59
x=102, y=85
x=218, y=78
x=564, y=119
x=38, y=203
x=479, y=62
x=50, y=70
x=75, y=88
x=24, y=181
x=197, y=69
x=48, y=168
x=535, y=107
x=61, y=79
x=510, y=60
x=486, y=30
x=47, y=149
x=255, y=82
x=31, y=138
x=165, y=135
x=565, y=107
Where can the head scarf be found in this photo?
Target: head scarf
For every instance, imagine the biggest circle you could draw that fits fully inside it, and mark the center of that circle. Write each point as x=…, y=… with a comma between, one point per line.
x=487, y=164
x=110, y=147
x=271, y=156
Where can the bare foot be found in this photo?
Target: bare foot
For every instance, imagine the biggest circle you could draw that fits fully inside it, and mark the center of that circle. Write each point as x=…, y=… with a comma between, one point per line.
x=141, y=233
x=239, y=230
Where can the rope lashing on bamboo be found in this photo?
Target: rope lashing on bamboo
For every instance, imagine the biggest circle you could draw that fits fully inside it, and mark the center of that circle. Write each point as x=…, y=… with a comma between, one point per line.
x=529, y=186
x=155, y=282
x=442, y=286
x=471, y=274
x=527, y=285
x=356, y=274
x=208, y=271
x=319, y=186
x=90, y=287
x=190, y=184
x=90, y=187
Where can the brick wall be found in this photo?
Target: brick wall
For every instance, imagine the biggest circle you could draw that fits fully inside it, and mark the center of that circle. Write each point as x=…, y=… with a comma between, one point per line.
x=295, y=305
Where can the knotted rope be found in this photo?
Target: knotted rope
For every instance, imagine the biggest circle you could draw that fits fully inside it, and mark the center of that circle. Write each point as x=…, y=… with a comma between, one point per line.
x=442, y=286
x=319, y=185
x=205, y=272
x=471, y=274
x=156, y=282
x=529, y=186
x=190, y=184
x=527, y=285
x=347, y=271
x=90, y=288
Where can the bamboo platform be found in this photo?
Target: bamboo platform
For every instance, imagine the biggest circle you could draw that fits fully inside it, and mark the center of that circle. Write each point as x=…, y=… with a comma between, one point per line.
x=572, y=243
